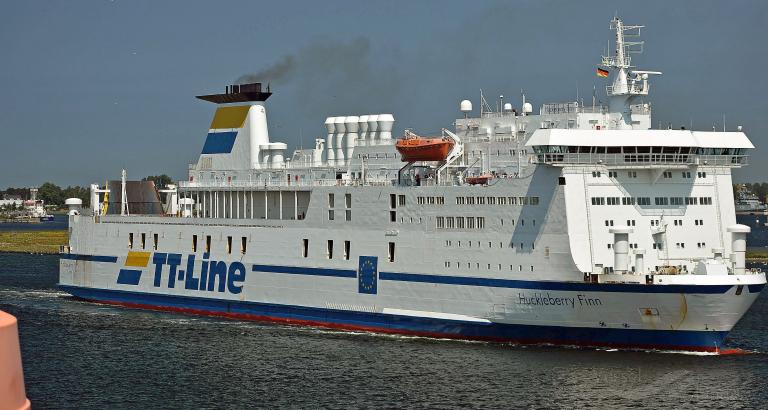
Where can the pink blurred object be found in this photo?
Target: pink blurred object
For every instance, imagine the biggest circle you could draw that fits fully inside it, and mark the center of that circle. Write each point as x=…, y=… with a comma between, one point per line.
x=12, y=394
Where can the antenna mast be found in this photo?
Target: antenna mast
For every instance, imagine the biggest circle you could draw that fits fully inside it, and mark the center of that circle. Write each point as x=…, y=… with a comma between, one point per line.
x=627, y=84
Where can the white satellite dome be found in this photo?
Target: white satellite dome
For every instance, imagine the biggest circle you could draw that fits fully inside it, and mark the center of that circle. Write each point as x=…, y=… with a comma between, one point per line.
x=465, y=106
x=508, y=107
x=527, y=108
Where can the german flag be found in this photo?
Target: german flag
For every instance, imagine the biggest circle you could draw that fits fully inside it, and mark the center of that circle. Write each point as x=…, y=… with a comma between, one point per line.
x=602, y=73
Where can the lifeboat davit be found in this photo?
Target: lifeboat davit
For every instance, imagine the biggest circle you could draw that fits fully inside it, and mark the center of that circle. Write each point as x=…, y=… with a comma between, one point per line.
x=479, y=180
x=414, y=148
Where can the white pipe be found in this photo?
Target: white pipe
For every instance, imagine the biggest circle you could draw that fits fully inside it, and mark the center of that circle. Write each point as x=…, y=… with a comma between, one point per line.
x=738, y=247
x=330, y=125
x=373, y=130
x=620, y=248
x=386, y=122
x=363, y=130
x=352, y=124
x=341, y=130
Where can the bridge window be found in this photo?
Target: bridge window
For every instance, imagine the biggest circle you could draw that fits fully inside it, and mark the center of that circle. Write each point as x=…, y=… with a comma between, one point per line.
x=305, y=248
x=155, y=237
x=194, y=243
x=207, y=243
x=331, y=200
x=348, y=200
x=329, y=249
x=229, y=244
x=143, y=240
x=130, y=240
x=243, y=245
x=391, y=252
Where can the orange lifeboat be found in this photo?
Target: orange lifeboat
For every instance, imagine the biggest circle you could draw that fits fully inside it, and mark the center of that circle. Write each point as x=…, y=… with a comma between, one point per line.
x=414, y=148
x=479, y=180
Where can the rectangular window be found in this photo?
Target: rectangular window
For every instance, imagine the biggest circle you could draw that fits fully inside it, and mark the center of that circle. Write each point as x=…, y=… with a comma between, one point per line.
x=143, y=240
x=330, y=214
x=441, y=200
x=331, y=200
x=449, y=222
x=348, y=200
x=348, y=214
x=676, y=200
x=534, y=200
x=480, y=222
x=305, y=248
x=130, y=240
x=401, y=200
x=346, y=250
x=392, y=216
x=460, y=222
x=154, y=243
x=329, y=249
x=243, y=245
x=207, y=243
x=440, y=222
x=229, y=244
x=392, y=201
x=470, y=222
x=661, y=200
x=391, y=252
x=194, y=243
x=481, y=200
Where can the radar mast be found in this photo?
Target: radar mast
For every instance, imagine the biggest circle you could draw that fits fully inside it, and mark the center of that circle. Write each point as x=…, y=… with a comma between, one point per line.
x=626, y=85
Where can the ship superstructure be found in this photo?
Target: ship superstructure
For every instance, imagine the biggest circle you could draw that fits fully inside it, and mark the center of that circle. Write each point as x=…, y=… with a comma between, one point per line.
x=578, y=225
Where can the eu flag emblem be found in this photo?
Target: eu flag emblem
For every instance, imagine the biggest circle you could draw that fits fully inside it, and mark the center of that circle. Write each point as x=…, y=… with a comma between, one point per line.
x=367, y=274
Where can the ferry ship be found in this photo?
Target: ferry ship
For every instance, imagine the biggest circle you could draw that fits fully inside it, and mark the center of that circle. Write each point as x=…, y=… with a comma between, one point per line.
x=578, y=225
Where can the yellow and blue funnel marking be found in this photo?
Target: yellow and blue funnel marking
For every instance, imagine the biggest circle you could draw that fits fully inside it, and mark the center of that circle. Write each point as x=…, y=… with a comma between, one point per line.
x=134, y=260
x=221, y=138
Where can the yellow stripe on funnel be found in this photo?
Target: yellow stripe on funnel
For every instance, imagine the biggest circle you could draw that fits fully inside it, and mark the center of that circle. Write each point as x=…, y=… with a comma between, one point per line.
x=230, y=117
x=137, y=259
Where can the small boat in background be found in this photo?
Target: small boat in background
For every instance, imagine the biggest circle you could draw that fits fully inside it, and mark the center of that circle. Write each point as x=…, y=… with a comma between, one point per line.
x=415, y=148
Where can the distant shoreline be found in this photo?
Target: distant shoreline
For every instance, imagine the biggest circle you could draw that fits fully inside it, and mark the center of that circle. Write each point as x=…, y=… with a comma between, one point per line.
x=39, y=242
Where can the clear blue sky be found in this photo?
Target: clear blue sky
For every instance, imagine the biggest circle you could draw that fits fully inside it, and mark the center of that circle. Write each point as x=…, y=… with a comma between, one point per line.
x=89, y=87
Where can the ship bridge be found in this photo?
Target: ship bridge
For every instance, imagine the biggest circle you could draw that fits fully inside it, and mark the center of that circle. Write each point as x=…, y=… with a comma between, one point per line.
x=639, y=148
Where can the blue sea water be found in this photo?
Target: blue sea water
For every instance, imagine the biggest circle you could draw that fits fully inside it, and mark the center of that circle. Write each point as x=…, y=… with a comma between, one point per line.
x=84, y=355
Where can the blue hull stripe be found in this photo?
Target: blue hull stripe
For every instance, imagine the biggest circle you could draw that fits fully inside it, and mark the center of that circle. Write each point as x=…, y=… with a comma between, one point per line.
x=90, y=258
x=297, y=270
x=551, y=285
x=407, y=324
x=470, y=281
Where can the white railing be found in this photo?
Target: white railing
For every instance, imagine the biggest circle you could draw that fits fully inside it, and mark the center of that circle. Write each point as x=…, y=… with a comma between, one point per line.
x=641, y=159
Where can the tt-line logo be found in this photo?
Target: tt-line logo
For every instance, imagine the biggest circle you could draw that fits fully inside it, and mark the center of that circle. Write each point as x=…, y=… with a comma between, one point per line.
x=213, y=276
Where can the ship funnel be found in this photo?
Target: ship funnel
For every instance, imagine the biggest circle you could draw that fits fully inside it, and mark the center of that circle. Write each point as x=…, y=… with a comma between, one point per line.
x=738, y=247
x=237, y=129
x=386, y=122
x=620, y=248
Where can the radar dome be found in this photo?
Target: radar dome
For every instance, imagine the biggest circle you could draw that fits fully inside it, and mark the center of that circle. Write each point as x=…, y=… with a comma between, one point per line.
x=465, y=106
x=527, y=108
x=508, y=107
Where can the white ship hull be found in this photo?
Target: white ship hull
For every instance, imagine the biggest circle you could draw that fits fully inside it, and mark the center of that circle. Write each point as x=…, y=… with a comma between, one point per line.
x=675, y=316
